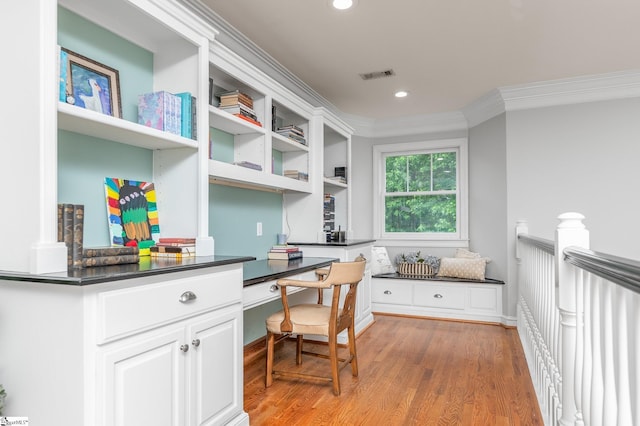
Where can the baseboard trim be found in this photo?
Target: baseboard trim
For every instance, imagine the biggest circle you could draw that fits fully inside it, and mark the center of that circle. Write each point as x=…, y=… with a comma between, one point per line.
x=426, y=317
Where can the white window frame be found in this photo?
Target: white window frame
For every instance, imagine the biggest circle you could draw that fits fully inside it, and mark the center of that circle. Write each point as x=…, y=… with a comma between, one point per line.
x=421, y=239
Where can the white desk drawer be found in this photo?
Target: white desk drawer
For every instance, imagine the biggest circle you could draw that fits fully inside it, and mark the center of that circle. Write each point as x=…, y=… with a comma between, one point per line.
x=134, y=309
x=449, y=297
x=257, y=294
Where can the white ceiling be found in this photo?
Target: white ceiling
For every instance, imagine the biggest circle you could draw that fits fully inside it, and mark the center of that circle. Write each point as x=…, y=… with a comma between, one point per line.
x=445, y=53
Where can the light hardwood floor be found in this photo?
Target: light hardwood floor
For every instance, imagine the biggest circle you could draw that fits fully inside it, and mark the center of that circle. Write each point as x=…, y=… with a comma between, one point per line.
x=412, y=372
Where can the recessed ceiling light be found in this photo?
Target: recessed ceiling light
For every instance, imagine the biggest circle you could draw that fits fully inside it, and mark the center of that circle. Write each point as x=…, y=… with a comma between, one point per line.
x=401, y=94
x=342, y=4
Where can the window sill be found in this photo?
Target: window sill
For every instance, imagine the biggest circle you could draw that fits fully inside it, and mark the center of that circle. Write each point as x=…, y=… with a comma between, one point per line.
x=395, y=242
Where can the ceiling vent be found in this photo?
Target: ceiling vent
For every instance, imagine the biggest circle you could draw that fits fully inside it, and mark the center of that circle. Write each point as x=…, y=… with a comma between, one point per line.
x=377, y=74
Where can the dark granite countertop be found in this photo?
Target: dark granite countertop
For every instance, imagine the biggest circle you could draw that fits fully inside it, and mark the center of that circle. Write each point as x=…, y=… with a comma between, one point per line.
x=258, y=271
x=398, y=276
x=146, y=267
x=346, y=243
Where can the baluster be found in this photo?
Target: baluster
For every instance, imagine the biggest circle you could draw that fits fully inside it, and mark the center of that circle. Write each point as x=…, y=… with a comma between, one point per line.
x=580, y=347
x=623, y=356
x=609, y=400
x=596, y=368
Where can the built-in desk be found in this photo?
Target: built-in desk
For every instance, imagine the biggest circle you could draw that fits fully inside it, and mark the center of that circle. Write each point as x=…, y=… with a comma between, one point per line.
x=260, y=277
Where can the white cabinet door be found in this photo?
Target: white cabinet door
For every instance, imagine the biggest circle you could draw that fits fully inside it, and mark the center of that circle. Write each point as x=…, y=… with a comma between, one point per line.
x=144, y=381
x=215, y=374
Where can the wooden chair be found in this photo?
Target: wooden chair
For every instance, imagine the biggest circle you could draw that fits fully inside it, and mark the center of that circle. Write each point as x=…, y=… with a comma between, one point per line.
x=319, y=319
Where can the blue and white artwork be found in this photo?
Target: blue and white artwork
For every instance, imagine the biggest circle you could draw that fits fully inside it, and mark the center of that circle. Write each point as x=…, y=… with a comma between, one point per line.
x=91, y=90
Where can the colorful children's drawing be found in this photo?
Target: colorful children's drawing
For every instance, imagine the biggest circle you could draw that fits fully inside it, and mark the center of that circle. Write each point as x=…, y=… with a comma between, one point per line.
x=132, y=212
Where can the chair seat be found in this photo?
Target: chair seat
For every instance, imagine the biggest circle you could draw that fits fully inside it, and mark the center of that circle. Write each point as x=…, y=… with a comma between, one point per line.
x=305, y=318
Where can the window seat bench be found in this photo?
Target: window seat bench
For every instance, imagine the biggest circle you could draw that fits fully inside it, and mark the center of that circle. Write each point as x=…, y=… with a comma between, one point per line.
x=438, y=297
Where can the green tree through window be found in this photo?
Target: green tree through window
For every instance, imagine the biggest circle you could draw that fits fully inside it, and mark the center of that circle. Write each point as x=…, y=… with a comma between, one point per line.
x=421, y=192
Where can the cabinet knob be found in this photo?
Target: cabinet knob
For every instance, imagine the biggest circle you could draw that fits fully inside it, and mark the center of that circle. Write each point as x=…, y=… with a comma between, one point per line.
x=387, y=292
x=437, y=296
x=273, y=288
x=195, y=342
x=184, y=348
x=187, y=296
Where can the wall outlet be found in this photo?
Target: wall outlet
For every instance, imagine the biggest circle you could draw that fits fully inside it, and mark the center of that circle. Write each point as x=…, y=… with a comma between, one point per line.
x=259, y=229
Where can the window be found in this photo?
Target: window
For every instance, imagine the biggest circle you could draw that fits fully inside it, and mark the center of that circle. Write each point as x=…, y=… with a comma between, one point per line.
x=421, y=190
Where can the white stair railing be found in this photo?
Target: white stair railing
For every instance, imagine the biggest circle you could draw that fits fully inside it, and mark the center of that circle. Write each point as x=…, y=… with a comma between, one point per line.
x=579, y=323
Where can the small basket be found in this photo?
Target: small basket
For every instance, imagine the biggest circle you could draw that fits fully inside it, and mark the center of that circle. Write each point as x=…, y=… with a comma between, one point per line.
x=416, y=269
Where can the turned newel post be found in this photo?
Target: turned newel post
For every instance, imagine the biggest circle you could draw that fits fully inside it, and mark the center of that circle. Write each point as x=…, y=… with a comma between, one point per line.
x=570, y=232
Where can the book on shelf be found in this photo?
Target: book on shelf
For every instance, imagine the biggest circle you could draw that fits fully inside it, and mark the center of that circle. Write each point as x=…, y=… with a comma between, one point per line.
x=109, y=251
x=292, y=128
x=233, y=97
x=240, y=109
x=63, y=73
x=166, y=255
x=284, y=256
x=71, y=231
x=161, y=110
x=172, y=249
x=249, y=119
x=88, y=262
x=293, y=137
x=296, y=174
x=187, y=114
x=176, y=240
x=339, y=179
x=248, y=165
x=284, y=248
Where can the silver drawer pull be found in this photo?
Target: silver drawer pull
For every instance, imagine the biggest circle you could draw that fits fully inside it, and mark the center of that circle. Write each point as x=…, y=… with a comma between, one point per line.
x=187, y=296
x=387, y=292
x=195, y=342
x=438, y=296
x=274, y=288
x=184, y=348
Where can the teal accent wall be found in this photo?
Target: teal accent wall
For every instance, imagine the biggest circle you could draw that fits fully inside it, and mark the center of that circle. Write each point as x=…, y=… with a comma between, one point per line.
x=220, y=145
x=83, y=163
x=234, y=214
x=134, y=64
x=254, y=320
x=276, y=157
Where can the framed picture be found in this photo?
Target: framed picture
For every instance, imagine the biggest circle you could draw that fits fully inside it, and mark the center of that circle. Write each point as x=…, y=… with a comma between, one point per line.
x=92, y=85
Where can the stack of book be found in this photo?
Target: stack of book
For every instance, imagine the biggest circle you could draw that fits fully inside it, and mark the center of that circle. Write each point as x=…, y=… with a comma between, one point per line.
x=175, y=248
x=292, y=132
x=239, y=104
x=248, y=165
x=296, y=174
x=103, y=256
x=284, y=252
x=71, y=231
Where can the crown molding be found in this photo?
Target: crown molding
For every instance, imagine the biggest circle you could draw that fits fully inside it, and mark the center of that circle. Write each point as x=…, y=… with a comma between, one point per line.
x=484, y=108
x=591, y=88
x=409, y=125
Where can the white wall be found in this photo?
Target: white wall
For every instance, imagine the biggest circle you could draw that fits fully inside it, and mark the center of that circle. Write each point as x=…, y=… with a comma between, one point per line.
x=488, y=228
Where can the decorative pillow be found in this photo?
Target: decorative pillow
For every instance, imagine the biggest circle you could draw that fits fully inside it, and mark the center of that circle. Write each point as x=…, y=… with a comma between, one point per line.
x=466, y=254
x=457, y=267
x=381, y=264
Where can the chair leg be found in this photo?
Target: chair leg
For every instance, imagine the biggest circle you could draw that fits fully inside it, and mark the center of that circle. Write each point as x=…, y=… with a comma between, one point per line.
x=269, y=372
x=299, y=349
x=352, y=351
x=333, y=359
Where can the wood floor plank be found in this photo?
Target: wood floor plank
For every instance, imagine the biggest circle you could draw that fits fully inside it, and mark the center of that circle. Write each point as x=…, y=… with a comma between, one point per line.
x=412, y=372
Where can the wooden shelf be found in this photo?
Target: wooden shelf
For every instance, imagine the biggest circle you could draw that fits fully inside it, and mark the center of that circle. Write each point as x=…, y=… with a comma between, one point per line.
x=330, y=182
